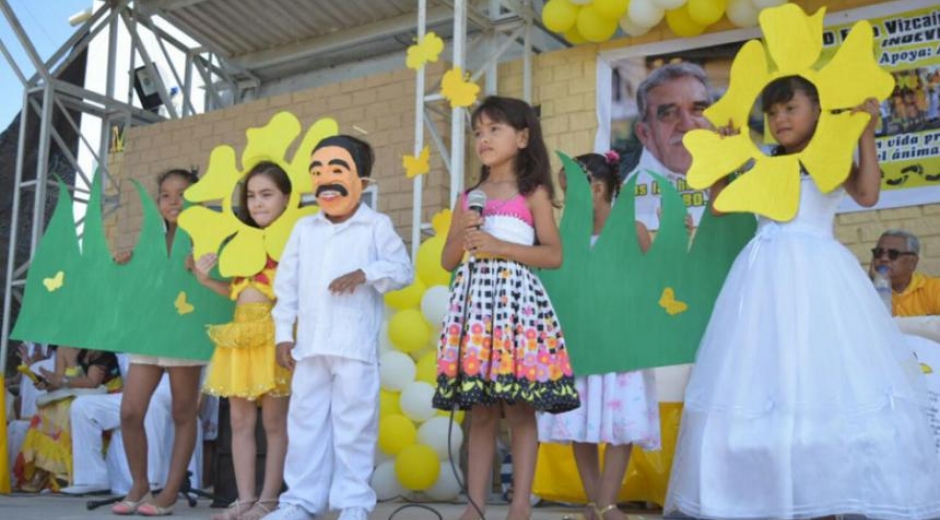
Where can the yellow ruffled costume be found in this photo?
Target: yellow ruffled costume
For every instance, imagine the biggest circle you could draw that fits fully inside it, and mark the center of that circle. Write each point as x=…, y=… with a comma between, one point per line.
x=244, y=364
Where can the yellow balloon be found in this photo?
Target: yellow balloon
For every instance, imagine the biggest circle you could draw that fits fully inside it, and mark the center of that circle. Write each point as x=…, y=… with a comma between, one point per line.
x=396, y=433
x=706, y=12
x=611, y=8
x=428, y=263
x=388, y=403
x=594, y=26
x=573, y=36
x=682, y=24
x=408, y=330
x=417, y=467
x=559, y=15
x=407, y=298
x=427, y=368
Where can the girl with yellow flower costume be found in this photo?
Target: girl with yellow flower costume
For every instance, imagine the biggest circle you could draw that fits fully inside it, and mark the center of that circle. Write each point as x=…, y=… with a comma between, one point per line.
x=804, y=401
x=243, y=366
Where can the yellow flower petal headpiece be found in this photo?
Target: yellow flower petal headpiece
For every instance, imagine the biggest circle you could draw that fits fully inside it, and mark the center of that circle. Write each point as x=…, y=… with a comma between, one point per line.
x=793, y=41
x=246, y=251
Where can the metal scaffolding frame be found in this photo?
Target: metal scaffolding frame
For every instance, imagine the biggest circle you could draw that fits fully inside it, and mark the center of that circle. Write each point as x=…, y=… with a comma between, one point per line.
x=507, y=22
x=44, y=93
x=226, y=80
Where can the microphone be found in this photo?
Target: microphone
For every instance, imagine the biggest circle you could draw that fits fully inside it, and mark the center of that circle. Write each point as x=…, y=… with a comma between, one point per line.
x=476, y=201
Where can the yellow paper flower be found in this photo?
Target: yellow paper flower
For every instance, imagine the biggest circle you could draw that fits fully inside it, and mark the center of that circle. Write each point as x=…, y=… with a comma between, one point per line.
x=246, y=248
x=425, y=51
x=459, y=91
x=793, y=42
x=419, y=165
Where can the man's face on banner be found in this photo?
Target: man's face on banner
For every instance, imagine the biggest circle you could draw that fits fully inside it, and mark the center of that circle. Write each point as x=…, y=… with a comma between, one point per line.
x=673, y=108
x=336, y=181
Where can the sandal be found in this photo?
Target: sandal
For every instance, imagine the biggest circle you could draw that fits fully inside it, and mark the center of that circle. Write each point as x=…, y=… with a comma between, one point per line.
x=127, y=507
x=601, y=512
x=261, y=509
x=151, y=509
x=235, y=510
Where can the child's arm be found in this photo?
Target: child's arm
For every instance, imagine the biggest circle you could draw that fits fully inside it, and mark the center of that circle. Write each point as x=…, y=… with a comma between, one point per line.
x=864, y=182
x=202, y=268
x=392, y=269
x=462, y=223
x=286, y=306
x=643, y=236
x=546, y=254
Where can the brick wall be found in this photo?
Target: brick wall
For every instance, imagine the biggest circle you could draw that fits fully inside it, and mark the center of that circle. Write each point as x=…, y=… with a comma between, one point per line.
x=564, y=85
x=382, y=105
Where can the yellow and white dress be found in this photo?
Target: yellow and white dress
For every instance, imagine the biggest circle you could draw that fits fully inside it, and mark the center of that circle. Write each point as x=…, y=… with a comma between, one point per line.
x=243, y=364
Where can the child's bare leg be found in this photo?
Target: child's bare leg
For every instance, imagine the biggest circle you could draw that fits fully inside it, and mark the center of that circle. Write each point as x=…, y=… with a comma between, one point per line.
x=243, y=417
x=484, y=422
x=525, y=448
x=587, y=459
x=274, y=415
x=142, y=380
x=616, y=459
x=184, y=387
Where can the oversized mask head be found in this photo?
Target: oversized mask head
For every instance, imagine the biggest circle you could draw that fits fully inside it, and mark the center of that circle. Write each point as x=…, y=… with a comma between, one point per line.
x=340, y=167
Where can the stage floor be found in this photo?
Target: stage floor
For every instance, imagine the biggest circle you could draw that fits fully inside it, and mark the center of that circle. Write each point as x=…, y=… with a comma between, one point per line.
x=61, y=507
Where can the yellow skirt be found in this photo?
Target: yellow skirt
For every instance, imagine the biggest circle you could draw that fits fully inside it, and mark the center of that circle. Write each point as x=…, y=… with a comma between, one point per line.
x=45, y=459
x=243, y=364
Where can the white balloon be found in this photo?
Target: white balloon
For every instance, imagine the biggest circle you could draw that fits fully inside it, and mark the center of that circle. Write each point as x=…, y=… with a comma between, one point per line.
x=434, y=434
x=446, y=487
x=632, y=29
x=742, y=13
x=385, y=482
x=670, y=4
x=764, y=4
x=396, y=370
x=385, y=343
x=644, y=13
x=415, y=401
x=434, y=304
x=380, y=457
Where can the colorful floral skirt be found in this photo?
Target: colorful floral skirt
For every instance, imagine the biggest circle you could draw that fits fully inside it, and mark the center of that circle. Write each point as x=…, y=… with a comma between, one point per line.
x=501, y=341
x=244, y=364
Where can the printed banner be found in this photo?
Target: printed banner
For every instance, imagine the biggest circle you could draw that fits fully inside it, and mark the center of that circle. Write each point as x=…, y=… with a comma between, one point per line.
x=908, y=138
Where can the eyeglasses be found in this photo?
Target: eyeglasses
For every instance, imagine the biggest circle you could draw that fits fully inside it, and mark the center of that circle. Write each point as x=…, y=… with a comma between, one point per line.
x=893, y=254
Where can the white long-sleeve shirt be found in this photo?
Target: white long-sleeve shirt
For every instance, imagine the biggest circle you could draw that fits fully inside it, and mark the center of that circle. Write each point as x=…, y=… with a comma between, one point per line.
x=318, y=252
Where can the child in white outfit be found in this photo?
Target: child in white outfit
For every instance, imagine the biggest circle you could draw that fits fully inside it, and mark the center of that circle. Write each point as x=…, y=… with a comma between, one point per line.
x=330, y=281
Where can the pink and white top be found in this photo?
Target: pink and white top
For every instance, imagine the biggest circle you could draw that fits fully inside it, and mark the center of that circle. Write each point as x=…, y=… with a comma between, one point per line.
x=509, y=220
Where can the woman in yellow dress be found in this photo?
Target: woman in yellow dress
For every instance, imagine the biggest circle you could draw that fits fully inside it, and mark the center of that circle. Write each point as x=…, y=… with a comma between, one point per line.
x=45, y=459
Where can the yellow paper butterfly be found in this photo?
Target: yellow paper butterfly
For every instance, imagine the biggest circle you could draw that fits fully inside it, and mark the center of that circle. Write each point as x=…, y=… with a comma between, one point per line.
x=55, y=283
x=417, y=165
x=425, y=51
x=669, y=302
x=925, y=368
x=457, y=90
x=183, y=306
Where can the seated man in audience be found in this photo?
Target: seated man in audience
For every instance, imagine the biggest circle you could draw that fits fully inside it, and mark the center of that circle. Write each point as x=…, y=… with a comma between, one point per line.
x=914, y=294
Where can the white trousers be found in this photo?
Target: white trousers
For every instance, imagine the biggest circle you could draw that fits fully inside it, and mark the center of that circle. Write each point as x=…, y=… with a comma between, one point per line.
x=332, y=428
x=94, y=414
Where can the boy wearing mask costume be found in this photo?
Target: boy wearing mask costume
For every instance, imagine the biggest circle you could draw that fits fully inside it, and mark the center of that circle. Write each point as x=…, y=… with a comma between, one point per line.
x=330, y=281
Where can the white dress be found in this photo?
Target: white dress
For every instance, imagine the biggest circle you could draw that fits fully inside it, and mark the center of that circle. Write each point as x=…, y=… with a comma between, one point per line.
x=616, y=408
x=804, y=400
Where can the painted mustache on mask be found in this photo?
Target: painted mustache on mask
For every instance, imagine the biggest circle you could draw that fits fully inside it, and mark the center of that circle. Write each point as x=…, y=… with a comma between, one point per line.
x=339, y=188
